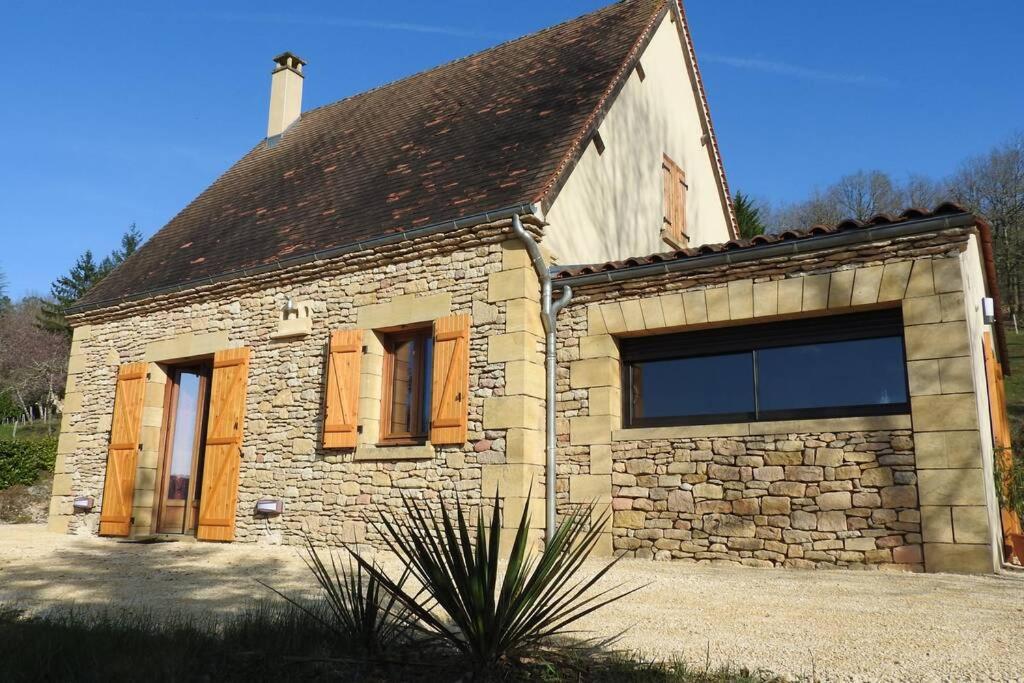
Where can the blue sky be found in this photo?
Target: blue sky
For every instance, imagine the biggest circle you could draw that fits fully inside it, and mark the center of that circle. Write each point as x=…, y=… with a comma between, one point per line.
x=122, y=112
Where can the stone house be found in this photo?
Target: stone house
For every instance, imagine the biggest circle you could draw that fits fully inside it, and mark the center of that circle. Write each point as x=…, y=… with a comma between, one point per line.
x=381, y=299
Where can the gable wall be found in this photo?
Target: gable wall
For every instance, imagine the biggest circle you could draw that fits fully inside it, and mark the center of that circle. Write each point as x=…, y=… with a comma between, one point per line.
x=611, y=205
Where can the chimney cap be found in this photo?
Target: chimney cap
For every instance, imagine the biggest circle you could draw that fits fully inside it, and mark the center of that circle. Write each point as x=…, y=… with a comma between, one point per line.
x=289, y=60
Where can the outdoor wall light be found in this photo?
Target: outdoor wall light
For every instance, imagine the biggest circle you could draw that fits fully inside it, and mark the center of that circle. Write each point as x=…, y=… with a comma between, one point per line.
x=988, y=310
x=83, y=504
x=269, y=506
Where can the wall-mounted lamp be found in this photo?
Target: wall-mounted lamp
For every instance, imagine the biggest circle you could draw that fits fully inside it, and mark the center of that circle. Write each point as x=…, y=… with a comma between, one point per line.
x=988, y=310
x=269, y=506
x=83, y=504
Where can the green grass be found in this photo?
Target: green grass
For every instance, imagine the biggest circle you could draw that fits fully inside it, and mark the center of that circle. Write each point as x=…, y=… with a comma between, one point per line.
x=30, y=431
x=274, y=642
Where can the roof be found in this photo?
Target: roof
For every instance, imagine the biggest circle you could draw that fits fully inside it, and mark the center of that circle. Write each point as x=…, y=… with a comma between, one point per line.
x=882, y=219
x=497, y=129
x=577, y=275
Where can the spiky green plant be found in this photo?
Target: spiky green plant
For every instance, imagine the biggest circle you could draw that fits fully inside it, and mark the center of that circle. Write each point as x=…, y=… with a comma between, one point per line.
x=366, y=616
x=462, y=601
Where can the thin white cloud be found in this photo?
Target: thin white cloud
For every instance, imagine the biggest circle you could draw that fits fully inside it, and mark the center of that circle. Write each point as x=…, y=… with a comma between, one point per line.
x=348, y=22
x=796, y=71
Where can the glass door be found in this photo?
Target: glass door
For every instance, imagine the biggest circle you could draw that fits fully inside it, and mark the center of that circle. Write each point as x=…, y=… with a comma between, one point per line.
x=184, y=435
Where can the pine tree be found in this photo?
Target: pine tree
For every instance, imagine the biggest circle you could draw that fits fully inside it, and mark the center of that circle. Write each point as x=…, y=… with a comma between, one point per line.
x=748, y=216
x=130, y=243
x=68, y=289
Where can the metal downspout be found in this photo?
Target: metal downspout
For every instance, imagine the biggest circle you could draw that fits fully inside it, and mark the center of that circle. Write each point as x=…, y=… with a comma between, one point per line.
x=548, y=315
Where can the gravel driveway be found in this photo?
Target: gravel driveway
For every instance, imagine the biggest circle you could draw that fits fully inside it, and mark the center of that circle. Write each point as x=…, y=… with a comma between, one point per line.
x=838, y=625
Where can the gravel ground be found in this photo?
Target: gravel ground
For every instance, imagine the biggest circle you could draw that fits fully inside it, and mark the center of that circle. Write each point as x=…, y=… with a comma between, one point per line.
x=834, y=625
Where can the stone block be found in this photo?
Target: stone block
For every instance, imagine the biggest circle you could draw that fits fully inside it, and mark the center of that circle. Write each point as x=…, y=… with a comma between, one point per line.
x=518, y=283
x=947, y=412
x=971, y=524
x=766, y=298
x=877, y=477
x=923, y=377
x=958, y=558
x=695, y=306
x=866, y=283
x=61, y=485
x=598, y=346
x=672, y=309
x=921, y=282
x=791, y=293
x=514, y=346
x=816, y=292
x=948, y=450
x=717, y=299
x=594, y=372
x=832, y=520
x=775, y=505
x=633, y=315
x=628, y=519
x=956, y=375
x=614, y=321
x=951, y=487
x=953, y=306
x=522, y=315
x=680, y=501
x=908, y=554
x=922, y=310
x=605, y=401
x=514, y=255
x=899, y=497
x=729, y=526
x=894, y=281
x=589, y=430
x=58, y=524
x=524, y=377
x=937, y=340
x=600, y=459
x=768, y=473
x=947, y=276
x=859, y=544
x=654, y=317
x=806, y=473
x=524, y=446
x=835, y=500
x=595, y=320
x=516, y=481
x=840, y=288
x=707, y=491
x=585, y=488
x=747, y=506
x=741, y=299
x=501, y=412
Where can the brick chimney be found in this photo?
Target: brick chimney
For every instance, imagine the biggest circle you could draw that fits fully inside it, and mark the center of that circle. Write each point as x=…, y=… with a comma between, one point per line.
x=285, y=93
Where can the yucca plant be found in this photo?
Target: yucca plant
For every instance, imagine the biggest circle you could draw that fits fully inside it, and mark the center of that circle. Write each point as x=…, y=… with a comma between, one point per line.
x=462, y=601
x=367, y=617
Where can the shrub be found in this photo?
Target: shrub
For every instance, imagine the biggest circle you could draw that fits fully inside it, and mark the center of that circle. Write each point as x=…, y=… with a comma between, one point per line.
x=462, y=603
x=22, y=461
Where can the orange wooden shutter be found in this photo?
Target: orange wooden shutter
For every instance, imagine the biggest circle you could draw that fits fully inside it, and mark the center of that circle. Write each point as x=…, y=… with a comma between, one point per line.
x=1000, y=425
x=674, y=187
x=343, y=363
x=223, y=445
x=122, y=456
x=449, y=389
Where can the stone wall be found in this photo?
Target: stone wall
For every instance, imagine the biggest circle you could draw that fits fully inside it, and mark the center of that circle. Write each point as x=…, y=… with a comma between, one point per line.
x=329, y=494
x=795, y=500
x=922, y=275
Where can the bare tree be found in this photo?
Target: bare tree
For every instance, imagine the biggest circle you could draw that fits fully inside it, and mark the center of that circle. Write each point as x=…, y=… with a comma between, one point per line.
x=993, y=185
x=33, y=361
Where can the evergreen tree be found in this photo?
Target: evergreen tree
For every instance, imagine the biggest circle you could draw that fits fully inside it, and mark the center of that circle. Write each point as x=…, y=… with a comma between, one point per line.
x=84, y=275
x=5, y=301
x=748, y=216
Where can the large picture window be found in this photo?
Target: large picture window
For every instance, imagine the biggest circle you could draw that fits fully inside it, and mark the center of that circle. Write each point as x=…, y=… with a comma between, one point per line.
x=834, y=366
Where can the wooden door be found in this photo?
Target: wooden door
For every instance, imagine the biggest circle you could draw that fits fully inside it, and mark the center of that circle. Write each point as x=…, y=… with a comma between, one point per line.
x=223, y=445
x=122, y=455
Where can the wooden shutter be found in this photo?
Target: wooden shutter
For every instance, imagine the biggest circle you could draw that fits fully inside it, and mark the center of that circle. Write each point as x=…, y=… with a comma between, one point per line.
x=122, y=456
x=223, y=445
x=1000, y=426
x=674, y=202
x=344, y=356
x=449, y=389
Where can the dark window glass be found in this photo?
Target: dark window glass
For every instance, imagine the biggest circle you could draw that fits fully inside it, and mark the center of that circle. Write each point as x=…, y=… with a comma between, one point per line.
x=819, y=367
x=708, y=385
x=864, y=372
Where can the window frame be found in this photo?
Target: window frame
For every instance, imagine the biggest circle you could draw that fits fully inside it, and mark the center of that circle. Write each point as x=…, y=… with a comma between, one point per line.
x=718, y=341
x=421, y=377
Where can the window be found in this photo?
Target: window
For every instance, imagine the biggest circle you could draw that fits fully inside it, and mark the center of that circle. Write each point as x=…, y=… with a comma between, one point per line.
x=408, y=359
x=832, y=366
x=673, y=230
